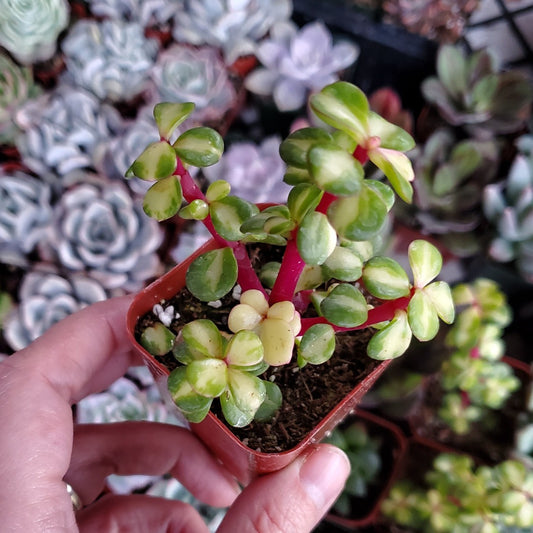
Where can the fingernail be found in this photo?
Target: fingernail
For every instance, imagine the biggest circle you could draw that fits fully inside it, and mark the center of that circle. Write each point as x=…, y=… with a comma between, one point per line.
x=323, y=474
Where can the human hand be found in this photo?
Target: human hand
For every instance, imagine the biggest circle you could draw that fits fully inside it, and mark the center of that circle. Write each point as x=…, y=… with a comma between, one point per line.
x=41, y=448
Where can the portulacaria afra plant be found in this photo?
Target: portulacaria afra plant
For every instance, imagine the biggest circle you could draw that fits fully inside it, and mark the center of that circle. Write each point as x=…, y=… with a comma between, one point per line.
x=328, y=264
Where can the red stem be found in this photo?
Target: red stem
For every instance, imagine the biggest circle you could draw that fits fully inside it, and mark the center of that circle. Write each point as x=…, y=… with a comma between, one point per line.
x=361, y=154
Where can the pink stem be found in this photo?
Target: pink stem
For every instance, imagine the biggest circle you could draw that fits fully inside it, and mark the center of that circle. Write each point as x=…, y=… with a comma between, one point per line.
x=361, y=154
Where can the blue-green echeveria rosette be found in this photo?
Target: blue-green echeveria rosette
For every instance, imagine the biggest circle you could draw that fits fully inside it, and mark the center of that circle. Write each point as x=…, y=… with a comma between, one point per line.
x=234, y=27
x=45, y=298
x=100, y=230
x=25, y=215
x=296, y=61
x=29, y=29
x=111, y=58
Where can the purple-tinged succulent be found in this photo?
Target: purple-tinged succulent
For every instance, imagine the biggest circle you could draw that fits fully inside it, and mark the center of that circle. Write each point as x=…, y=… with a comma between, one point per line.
x=255, y=171
x=198, y=75
x=46, y=298
x=25, y=215
x=146, y=12
x=233, y=27
x=65, y=130
x=100, y=230
x=296, y=61
x=109, y=58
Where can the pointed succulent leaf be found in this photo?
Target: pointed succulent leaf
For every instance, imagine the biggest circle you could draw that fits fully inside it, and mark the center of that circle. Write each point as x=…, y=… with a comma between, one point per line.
x=197, y=210
x=208, y=377
x=440, y=294
x=194, y=406
x=212, y=275
x=422, y=317
x=217, y=190
x=360, y=217
x=316, y=238
x=398, y=169
x=334, y=170
x=343, y=106
x=157, y=339
x=425, y=261
x=163, y=199
x=156, y=162
x=272, y=402
x=391, y=136
x=385, y=278
x=168, y=116
x=241, y=401
x=228, y=214
x=200, y=147
x=203, y=338
x=392, y=340
x=295, y=148
x=302, y=199
x=343, y=264
x=345, y=306
x=317, y=345
x=244, y=349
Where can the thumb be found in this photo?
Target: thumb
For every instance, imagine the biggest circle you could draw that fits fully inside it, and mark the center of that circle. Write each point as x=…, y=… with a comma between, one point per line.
x=293, y=499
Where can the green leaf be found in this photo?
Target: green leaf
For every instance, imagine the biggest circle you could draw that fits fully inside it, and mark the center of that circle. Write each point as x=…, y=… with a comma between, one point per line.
x=163, y=199
x=217, y=190
x=334, y=170
x=303, y=198
x=157, y=339
x=391, y=136
x=398, y=169
x=452, y=70
x=194, y=406
x=244, y=349
x=343, y=265
x=294, y=176
x=317, y=345
x=272, y=402
x=385, y=278
x=157, y=161
x=425, y=261
x=208, y=377
x=294, y=149
x=440, y=294
x=243, y=398
x=343, y=106
x=203, y=339
x=316, y=238
x=212, y=275
x=197, y=210
x=200, y=147
x=228, y=214
x=168, y=116
x=422, y=317
x=391, y=341
x=345, y=306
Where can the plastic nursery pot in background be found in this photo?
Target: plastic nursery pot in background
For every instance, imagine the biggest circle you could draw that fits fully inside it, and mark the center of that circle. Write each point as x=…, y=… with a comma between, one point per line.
x=243, y=462
x=392, y=448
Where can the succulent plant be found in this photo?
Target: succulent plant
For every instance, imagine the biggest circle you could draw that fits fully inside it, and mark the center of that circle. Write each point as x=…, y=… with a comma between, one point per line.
x=29, y=30
x=64, y=130
x=472, y=90
x=255, y=171
x=16, y=87
x=46, y=298
x=451, y=175
x=198, y=75
x=233, y=27
x=100, y=230
x=145, y=12
x=296, y=61
x=25, y=215
x=111, y=58
x=508, y=206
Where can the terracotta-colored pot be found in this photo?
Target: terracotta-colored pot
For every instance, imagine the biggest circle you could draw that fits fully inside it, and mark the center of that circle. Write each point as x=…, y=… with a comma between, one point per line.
x=393, y=449
x=243, y=462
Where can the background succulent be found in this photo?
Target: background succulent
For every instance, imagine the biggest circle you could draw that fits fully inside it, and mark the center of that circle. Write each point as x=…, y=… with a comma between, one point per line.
x=508, y=205
x=296, y=61
x=29, y=30
x=255, y=171
x=472, y=90
x=109, y=58
x=99, y=229
x=16, y=87
x=233, y=27
x=25, y=215
x=145, y=12
x=198, y=75
x=65, y=129
x=44, y=299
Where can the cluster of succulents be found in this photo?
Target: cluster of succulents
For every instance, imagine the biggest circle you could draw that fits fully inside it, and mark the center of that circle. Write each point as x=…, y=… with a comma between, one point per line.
x=146, y=12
